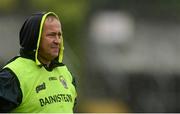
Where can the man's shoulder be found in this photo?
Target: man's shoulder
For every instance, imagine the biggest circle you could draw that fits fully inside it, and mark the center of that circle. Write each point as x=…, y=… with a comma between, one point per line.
x=11, y=60
x=18, y=62
x=6, y=73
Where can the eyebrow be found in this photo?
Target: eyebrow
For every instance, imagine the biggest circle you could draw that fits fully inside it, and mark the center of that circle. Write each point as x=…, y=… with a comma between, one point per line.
x=59, y=33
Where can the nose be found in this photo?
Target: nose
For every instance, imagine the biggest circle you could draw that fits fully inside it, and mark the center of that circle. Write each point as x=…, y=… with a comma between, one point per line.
x=57, y=40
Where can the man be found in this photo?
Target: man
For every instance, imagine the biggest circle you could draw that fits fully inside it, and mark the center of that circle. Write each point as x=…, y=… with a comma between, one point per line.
x=37, y=80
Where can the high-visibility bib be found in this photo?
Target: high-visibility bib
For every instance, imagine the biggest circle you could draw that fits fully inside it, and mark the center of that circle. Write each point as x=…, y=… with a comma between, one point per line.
x=42, y=90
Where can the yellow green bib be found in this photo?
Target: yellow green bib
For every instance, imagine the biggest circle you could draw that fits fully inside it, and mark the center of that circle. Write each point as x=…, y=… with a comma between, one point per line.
x=43, y=91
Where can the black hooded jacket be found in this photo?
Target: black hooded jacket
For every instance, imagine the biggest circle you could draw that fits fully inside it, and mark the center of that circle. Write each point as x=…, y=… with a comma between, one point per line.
x=10, y=92
x=29, y=32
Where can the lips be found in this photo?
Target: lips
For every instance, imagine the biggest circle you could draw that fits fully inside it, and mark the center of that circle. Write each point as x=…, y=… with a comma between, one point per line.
x=56, y=48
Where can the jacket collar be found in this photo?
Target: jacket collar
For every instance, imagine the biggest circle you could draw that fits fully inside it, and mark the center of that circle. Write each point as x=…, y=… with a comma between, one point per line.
x=31, y=55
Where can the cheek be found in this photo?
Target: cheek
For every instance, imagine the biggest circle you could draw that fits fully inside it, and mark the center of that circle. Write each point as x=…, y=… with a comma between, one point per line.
x=46, y=42
x=43, y=45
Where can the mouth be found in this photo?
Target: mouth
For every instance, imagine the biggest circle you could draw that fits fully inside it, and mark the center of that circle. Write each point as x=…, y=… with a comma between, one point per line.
x=55, y=49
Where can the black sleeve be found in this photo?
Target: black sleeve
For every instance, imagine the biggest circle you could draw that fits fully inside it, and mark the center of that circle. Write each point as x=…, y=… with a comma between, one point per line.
x=10, y=92
x=75, y=102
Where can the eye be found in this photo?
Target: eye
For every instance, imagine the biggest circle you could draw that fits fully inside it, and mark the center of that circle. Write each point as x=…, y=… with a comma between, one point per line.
x=51, y=34
x=59, y=34
x=54, y=35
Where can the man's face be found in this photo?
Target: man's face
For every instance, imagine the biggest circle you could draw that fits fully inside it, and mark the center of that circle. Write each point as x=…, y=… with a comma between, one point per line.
x=51, y=39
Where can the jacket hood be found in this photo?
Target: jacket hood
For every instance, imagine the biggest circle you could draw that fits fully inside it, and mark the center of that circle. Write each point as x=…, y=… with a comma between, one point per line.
x=30, y=35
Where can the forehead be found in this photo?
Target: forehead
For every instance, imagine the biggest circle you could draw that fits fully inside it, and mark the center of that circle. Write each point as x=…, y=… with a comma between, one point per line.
x=52, y=21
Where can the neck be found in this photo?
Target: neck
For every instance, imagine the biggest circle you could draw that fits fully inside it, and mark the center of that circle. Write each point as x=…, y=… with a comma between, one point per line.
x=44, y=61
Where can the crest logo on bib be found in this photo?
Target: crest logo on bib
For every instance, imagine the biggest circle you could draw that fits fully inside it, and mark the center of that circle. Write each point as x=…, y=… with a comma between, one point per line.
x=63, y=82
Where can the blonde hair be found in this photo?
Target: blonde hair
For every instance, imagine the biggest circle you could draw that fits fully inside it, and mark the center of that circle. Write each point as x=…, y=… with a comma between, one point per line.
x=51, y=18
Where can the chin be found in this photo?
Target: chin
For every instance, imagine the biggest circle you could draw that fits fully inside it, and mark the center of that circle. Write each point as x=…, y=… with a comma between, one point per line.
x=54, y=56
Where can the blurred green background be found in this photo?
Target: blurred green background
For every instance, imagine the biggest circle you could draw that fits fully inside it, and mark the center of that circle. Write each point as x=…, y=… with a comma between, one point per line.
x=124, y=54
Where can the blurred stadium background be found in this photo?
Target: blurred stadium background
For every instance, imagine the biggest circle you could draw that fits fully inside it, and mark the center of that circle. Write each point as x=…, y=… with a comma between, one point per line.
x=123, y=53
